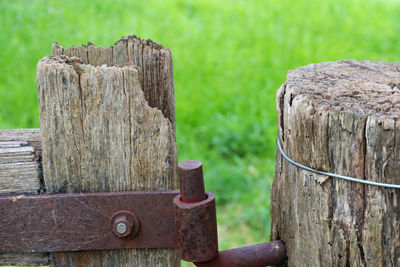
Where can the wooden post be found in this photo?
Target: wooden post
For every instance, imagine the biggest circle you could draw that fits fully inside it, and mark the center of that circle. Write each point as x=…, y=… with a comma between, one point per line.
x=109, y=128
x=340, y=117
x=21, y=173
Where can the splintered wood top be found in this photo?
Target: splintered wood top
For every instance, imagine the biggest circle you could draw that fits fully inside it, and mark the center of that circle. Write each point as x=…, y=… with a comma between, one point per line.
x=362, y=87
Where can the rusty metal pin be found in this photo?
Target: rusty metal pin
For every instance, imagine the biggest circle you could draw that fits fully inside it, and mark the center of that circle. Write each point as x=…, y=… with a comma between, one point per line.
x=259, y=255
x=191, y=181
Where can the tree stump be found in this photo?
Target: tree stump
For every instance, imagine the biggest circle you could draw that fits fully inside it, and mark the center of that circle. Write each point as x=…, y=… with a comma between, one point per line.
x=340, y=117
x=108, y=125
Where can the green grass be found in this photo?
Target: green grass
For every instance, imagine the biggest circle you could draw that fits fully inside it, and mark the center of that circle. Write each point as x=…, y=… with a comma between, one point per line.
x=230, y=57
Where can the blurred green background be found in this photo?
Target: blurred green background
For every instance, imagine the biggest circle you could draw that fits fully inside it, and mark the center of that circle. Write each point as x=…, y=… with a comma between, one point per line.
x=230, y=57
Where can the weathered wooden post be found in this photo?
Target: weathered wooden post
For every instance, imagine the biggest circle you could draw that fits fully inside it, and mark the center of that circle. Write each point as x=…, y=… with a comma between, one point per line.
x=21, y=173
x=108, y=128
x=340, y=117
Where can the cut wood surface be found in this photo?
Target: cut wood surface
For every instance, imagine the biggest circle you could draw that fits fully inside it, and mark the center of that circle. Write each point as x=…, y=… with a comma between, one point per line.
x=340, y=117
x=20, y=173
x=20, y=168
x=109, y=128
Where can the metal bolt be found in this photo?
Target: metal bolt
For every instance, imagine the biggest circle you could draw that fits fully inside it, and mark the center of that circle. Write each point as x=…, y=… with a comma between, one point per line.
x=121, y=228
x=124, y=224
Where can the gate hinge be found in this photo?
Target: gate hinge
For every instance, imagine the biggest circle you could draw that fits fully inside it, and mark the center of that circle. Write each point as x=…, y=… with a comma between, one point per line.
x=184, y=219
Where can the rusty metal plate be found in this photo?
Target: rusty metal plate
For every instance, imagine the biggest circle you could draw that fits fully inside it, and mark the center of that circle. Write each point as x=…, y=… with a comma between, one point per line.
x=71, y=222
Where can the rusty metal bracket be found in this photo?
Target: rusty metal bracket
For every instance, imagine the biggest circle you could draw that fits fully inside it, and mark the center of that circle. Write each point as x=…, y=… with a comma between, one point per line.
x=87, y=221
x=184, y=219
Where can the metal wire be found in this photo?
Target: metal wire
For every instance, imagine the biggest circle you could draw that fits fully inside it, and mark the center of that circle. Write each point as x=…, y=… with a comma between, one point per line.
x=334, y=175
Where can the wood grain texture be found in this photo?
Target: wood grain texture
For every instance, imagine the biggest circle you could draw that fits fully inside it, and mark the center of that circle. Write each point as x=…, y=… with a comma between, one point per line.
x=340, y=117
x=154, y=62
x=24, y=259
x=100, y=134
x=20, y=166
x=20, y=173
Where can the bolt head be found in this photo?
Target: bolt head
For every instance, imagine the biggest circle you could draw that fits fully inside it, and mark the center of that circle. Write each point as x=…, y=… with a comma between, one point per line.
x=124, y=224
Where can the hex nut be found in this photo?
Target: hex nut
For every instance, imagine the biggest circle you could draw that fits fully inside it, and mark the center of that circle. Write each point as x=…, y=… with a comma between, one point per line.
x=124, y=224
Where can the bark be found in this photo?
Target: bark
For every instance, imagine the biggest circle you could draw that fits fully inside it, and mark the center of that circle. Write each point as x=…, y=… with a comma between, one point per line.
x=340, y=117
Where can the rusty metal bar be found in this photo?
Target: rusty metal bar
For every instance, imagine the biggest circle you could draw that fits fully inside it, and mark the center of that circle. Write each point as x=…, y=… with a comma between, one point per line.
x=259, y=255
x=87, y=221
